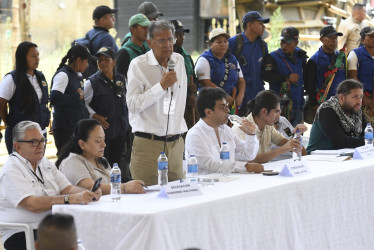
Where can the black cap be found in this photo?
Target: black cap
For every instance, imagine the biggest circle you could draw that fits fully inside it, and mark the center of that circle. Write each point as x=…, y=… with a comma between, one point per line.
x=289, y=34
x=106, y=51
x=366, y=31
x=179, y=26
x=101, y=11
x=329, y=31
x=80, y=51
x=149, y=9
x=254, y=16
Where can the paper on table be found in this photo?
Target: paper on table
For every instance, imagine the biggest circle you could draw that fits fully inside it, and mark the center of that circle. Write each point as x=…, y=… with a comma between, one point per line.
x=330, y=158
x=332, y=152
x=219, y=178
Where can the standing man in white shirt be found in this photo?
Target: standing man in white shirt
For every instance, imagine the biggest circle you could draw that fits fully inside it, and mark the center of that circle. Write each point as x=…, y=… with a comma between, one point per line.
x=205, y=138
x=351, y=28
x=156, y=99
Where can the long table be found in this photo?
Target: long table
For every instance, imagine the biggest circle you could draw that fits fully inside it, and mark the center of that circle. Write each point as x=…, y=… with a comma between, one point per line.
x=331, y=208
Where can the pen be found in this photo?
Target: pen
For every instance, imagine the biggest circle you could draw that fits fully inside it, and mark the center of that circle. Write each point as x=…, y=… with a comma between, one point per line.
x=144, y=186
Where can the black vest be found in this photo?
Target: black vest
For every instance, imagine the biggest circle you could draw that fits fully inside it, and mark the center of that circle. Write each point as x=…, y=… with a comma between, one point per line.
x=109, y=101
x=41, y=115
x=68, y=109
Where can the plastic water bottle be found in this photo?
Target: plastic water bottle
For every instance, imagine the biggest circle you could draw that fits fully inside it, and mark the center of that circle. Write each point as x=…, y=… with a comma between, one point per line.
x=369, y=135
x=192, y=169
x=80, y=245
x=162, y=169
x=225, y=159
x=296, y=156
x=115, y=183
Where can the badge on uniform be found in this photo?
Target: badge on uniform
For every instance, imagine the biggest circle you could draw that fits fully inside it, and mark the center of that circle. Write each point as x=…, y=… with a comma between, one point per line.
x=44, y=83
x=268, y=67
x=119, y=83
x=82, y=84
x=232, y=66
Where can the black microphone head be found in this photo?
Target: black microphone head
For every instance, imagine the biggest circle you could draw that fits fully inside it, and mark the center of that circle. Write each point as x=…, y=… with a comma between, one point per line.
x=171, y=65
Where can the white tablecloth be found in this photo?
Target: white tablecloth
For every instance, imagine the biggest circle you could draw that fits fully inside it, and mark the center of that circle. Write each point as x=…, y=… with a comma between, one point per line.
x=331, y=208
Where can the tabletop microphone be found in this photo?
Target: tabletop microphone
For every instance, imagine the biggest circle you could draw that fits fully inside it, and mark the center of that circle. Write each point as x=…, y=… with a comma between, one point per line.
x=171, y=65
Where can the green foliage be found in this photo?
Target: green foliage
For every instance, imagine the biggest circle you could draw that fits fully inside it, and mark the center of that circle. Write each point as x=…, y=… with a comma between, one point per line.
x=276, y=21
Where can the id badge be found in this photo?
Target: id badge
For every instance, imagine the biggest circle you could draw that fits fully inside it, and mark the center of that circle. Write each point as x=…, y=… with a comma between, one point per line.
x=49, y=192
x=166, y=106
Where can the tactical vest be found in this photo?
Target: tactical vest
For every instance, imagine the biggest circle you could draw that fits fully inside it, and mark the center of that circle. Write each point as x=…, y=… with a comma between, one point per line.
x=322, y=62
x=68, y=109
x=365, y=68
x=217, y=70
x=42, y=114
x=283, y=69
x=109, y=101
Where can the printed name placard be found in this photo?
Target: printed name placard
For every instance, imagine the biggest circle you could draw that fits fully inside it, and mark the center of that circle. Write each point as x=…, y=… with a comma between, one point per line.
x=293, y=169
x=364, y=152
x=180, y=189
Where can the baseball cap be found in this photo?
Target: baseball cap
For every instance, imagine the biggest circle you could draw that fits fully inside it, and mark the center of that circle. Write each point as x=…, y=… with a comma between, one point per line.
x=366, y=31
x=106, y=51
x=289, y=34
x=80, y=51
x=217, y=32
x=149, y=9
x=254, y=16
x=179, y=26
x=329, y=31
x=101, y=11
x=140, y=19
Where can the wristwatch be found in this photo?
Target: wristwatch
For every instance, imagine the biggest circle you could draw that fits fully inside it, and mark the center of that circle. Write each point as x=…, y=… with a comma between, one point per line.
x=66, y=199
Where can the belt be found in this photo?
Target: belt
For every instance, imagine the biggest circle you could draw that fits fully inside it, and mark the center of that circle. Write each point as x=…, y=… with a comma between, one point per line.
x=157, y=138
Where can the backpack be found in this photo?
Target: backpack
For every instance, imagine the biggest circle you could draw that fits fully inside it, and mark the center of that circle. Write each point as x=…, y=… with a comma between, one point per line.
x=87, y=42
x=239, y=48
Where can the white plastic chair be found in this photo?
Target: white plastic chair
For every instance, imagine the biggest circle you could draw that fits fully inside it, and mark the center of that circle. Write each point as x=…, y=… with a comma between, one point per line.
x=30, y=244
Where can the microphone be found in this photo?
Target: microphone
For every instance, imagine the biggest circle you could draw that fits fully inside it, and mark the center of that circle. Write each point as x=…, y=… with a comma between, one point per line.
x=171, y=65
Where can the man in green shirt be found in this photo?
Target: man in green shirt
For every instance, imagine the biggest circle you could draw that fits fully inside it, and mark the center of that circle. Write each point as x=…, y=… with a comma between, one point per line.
x=134, y=47
x=190, y=114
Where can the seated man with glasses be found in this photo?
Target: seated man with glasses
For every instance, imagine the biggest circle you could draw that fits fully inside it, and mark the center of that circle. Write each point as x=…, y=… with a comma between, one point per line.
x=156, y=99
x=204, y=140
x=30, y=184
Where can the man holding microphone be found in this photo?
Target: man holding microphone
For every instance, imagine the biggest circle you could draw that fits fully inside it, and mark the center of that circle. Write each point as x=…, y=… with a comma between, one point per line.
x=156, y=98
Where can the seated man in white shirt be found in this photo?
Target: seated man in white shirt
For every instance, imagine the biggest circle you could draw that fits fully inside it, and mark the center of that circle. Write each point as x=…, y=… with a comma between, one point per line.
x=30, y=184
x=204, y=140
x=264, y=112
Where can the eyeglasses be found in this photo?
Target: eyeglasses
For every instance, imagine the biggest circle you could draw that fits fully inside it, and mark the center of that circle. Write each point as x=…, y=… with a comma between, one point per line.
x=168, y=41
x=223, y=106
x=36, y=143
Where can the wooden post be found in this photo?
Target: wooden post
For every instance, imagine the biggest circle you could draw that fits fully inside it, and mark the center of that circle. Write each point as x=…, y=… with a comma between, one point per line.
x=15, y=29
x=232, y=17
x=24, y=18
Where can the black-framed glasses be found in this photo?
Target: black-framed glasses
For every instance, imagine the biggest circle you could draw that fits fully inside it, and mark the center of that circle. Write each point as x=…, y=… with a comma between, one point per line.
x=36, y=143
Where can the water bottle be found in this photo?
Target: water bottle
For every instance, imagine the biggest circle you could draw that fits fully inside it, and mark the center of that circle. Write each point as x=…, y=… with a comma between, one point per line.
x=115, y=183
x=80, y=245
x=369, y=135
x=225, y=159
x=162, y=164
x=192, y=169
x=296, y=156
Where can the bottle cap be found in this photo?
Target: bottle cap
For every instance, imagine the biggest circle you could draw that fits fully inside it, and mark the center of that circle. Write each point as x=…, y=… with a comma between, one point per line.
x=224, y=143
x=192, y=155
x=162, y=153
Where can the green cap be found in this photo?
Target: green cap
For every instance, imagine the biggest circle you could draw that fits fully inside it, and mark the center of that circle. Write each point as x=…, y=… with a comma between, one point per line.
x=140, y=19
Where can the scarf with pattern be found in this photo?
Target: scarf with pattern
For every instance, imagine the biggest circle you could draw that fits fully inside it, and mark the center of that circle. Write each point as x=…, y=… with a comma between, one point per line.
x=350, y=124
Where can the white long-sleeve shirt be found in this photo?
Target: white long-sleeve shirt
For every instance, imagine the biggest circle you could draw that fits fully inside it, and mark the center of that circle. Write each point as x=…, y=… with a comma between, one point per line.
x=145, y=96
x=202, y=142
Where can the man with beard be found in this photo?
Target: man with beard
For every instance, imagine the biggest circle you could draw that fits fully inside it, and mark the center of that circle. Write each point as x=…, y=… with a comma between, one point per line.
x=339, y=121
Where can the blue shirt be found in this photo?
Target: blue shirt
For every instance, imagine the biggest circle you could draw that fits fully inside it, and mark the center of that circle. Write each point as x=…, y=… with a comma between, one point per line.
x=252, y=53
